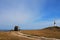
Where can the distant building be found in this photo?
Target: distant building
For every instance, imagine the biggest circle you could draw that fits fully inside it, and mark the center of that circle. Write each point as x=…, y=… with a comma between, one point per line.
x=16, y=28
x=54, y=23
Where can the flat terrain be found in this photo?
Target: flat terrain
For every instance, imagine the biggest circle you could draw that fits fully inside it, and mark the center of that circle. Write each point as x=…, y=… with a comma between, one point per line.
x=21, y=36
x=10, y=36
x=50, y=32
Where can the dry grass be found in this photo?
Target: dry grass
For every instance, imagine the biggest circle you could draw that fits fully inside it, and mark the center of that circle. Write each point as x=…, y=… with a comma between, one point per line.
x=50, y=33
x=54, y=33
x=9, y=36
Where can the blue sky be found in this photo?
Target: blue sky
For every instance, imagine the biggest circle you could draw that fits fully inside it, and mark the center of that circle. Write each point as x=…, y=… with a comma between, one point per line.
x=29, y=14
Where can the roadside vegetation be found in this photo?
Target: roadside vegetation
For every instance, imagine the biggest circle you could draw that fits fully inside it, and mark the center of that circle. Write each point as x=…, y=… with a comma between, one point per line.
x=50, y=32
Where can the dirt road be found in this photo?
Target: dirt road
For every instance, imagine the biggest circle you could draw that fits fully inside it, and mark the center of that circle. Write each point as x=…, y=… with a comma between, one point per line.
x=32, y=37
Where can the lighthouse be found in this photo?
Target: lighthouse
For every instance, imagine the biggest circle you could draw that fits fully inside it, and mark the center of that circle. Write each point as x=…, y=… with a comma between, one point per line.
x=54, y=23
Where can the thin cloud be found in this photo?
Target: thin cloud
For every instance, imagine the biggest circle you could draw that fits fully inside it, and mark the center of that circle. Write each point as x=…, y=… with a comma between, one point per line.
x=28, y=14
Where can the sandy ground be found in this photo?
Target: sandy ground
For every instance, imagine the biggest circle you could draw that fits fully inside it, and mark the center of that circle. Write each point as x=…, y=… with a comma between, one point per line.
x=30, y=37
x=21, y=36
